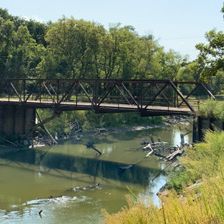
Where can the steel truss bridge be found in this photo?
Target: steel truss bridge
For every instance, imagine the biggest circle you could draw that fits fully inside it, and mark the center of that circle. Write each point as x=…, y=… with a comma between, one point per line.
x=146, y=97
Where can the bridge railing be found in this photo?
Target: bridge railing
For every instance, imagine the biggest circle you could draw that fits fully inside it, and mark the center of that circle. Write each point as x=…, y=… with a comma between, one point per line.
x=98, y=93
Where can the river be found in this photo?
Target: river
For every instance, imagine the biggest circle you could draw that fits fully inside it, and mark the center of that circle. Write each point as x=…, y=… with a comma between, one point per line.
x=72, y=184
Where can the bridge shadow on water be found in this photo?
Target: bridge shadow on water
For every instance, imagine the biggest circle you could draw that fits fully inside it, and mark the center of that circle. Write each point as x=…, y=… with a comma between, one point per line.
x=129, y=173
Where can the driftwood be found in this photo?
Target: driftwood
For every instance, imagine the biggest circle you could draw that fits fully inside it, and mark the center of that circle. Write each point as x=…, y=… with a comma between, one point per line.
x=98, y=151
x=174, y=154
x=149, y=153
x=90, y=145
x=154, y=146
x=148, y=147
x=160, y=150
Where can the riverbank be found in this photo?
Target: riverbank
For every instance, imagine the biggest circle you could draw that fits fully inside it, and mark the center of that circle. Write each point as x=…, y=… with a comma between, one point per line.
x=80, y=134
x=196, y=192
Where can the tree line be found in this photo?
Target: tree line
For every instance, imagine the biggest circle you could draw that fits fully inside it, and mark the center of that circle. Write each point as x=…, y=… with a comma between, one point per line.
x=70, y=48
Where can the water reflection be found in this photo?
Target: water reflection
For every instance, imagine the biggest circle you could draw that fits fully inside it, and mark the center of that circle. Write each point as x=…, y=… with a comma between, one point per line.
x=45, y=179
x=177, y=137
x=90, y=166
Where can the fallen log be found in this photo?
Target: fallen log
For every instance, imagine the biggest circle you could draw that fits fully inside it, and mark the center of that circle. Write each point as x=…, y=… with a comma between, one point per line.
x=176, y=153
x=90, y=145
x=148, y=147
x=149, y=153
x=98, y=151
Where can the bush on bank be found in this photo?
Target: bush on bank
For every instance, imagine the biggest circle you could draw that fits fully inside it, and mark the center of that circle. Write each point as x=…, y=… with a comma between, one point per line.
x=212, y=108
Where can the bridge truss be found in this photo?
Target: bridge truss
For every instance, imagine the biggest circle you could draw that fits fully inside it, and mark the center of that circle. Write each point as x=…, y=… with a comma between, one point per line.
x=148, y=97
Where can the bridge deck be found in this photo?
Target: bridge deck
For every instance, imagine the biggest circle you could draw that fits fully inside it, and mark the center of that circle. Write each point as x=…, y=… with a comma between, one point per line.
x=102, y=108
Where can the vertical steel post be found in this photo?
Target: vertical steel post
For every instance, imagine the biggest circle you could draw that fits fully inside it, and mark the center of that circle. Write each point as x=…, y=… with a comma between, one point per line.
x=24, y=90
x=58, y=89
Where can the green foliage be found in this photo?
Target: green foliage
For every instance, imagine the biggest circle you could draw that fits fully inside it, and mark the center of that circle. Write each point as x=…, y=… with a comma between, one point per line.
x=212, y=108
x=70, y=48
x=188, y=72
x=180, y=179
x=73, y=49
x=211, y=54
x=19, y=52
x=25, y=54
x=37, y=30
x=90, y=120
x=78, y=49
x=62, y=124
x=204, y=160
x=169, y=64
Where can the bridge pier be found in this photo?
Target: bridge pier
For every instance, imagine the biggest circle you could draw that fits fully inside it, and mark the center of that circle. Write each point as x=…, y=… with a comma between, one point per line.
x=16, y=120
x=197, y=129
x=203, y=124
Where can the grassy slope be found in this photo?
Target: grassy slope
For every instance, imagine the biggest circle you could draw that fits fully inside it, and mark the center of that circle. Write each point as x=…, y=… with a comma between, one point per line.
x=203, y=203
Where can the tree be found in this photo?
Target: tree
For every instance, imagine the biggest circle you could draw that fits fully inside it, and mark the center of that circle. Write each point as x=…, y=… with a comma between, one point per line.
x=166, y=64
x=37, y=30
x=189, y=71
x=6, y=42
x=119, y=52
x=80, y=49
x=24, y=55
x=73, y=49
x=19, y=52
x=211, y=56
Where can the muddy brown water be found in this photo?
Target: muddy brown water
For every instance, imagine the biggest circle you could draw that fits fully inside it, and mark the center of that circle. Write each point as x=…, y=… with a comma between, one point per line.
x=71, y=184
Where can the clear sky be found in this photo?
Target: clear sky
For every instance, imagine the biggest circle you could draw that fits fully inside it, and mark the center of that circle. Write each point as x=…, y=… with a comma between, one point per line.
x=177, y=24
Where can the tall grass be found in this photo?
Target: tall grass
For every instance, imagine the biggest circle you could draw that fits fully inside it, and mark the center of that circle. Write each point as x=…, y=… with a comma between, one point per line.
x=202, y=204
x=202, y=161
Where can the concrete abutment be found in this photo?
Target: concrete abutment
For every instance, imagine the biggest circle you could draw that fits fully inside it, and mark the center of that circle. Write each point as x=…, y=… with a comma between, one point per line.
x=16, y=120
x=203, y=124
